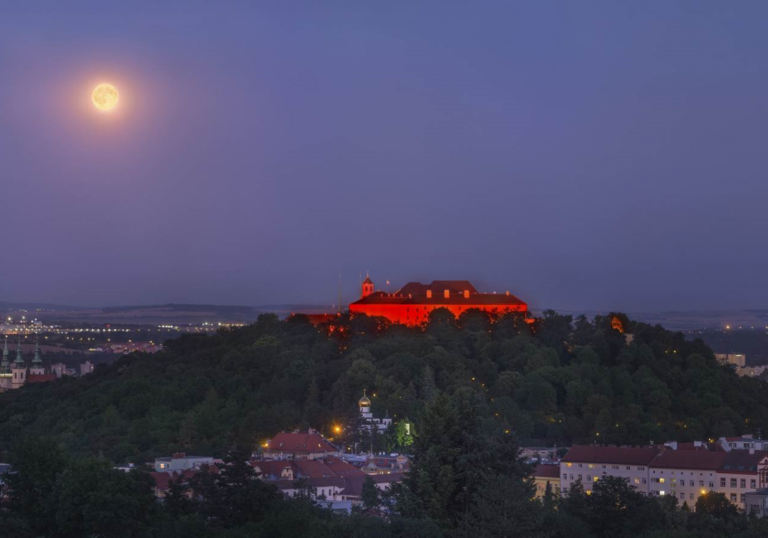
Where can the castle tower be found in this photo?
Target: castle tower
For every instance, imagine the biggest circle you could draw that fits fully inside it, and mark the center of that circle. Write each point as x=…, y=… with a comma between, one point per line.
x=37, y=362
x=367, y=287
x=5, y=369
x=19, y=369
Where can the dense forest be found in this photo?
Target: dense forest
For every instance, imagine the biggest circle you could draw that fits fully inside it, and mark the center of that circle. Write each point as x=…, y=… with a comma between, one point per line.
x=560, y=380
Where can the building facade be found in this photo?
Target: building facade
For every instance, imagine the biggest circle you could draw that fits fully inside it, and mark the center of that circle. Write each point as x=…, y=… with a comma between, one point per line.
x=413, y=303
x=685, y=471
x=16, y=374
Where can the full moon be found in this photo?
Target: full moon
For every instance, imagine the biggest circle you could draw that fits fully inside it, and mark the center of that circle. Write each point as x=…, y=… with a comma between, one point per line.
x=104, y=96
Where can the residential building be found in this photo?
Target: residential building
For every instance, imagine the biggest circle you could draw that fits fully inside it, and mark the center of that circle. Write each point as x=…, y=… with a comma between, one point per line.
x=756, y=502
x=744, y=442
x=181, y=462
x=588, y=463
x=735, y=359
x=538, y=453
x=299, y=445
x=743, y=471
x=544, y=474
x=86, y=368
x=685, y=474
x=685, y=470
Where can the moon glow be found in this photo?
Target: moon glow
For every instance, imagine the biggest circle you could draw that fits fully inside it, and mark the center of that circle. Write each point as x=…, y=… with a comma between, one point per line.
x=105, y=96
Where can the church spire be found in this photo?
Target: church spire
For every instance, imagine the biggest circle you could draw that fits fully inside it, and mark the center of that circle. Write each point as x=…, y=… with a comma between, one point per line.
x=38, y=359
x=5, y=365
x=19, y=356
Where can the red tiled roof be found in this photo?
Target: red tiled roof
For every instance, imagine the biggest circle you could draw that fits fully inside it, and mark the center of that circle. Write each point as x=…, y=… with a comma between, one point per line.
x=611, y=455
x=547, y=471
x=300, y=443
x=689, y=459
x=273, y=469
x=741, y=461
x=437, y=286
x=478, y=299
x=41, y=378
x=342, y=468
x=314, y=469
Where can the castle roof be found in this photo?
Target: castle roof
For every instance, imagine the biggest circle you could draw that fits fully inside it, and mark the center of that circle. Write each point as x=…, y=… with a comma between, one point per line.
x=437, y=286
x=416, y=293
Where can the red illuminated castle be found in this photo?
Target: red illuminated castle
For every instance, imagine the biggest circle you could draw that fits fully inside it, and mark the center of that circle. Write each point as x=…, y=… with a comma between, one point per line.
x=412, y=304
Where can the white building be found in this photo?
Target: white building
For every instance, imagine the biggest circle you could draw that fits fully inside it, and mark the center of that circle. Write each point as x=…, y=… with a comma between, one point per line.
x=686, y=471
x=368, y=422
x=736, y=359
x=745, y=442
x=86, y=368
x=181, y=462
x=589, y=463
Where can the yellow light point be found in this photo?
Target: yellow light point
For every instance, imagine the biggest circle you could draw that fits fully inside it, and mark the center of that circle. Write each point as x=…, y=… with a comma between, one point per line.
x=337, y=429
x=105, y=96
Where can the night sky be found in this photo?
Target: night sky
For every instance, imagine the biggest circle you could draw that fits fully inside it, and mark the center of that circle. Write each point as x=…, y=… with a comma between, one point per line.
x=583, y=155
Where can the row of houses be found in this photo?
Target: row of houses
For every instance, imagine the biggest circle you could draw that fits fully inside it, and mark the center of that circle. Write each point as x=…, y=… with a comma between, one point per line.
x=294, y=462
x=732, y=466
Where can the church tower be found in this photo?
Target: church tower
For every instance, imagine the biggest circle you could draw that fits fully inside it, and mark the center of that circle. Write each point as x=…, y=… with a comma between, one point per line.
x=367, y=287
x=19, y=369
x=37, y=362
x=365, y=407
x=5, y=369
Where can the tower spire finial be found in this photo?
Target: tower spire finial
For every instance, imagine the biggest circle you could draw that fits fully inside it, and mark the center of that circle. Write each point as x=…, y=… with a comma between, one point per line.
x=19, y=356
x=38, y=359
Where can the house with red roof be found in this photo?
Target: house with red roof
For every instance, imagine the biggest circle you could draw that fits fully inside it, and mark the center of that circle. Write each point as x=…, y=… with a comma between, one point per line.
x=686, y=473
x=299, y=445
x=588, y=463
x=546, y=474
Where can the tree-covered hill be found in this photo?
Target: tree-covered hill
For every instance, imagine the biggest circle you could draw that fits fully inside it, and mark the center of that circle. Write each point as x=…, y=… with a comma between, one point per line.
x=561, y=380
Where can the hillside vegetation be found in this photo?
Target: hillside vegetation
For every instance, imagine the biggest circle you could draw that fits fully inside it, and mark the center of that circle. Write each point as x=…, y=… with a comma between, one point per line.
x=560, y=381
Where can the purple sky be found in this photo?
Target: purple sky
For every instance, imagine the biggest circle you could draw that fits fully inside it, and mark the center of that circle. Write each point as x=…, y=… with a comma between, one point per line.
x=583, y=155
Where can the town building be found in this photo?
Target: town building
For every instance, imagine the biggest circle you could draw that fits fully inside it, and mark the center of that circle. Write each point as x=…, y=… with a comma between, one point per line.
x=16, y=374
x=546, y=474
x=586, y=464
x=181, y=462
x=86, y=368
x=685, y=474
x=367, y=420
x=756, y=502
x=538, y=453
x=684, y=470
x=744, y=442
x=412, y=304
x=735, y=359
x=299, y=445
x=752, y=371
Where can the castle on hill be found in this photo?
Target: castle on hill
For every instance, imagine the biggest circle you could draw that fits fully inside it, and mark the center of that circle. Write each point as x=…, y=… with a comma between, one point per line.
x=18, y=373
x=412, y=304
